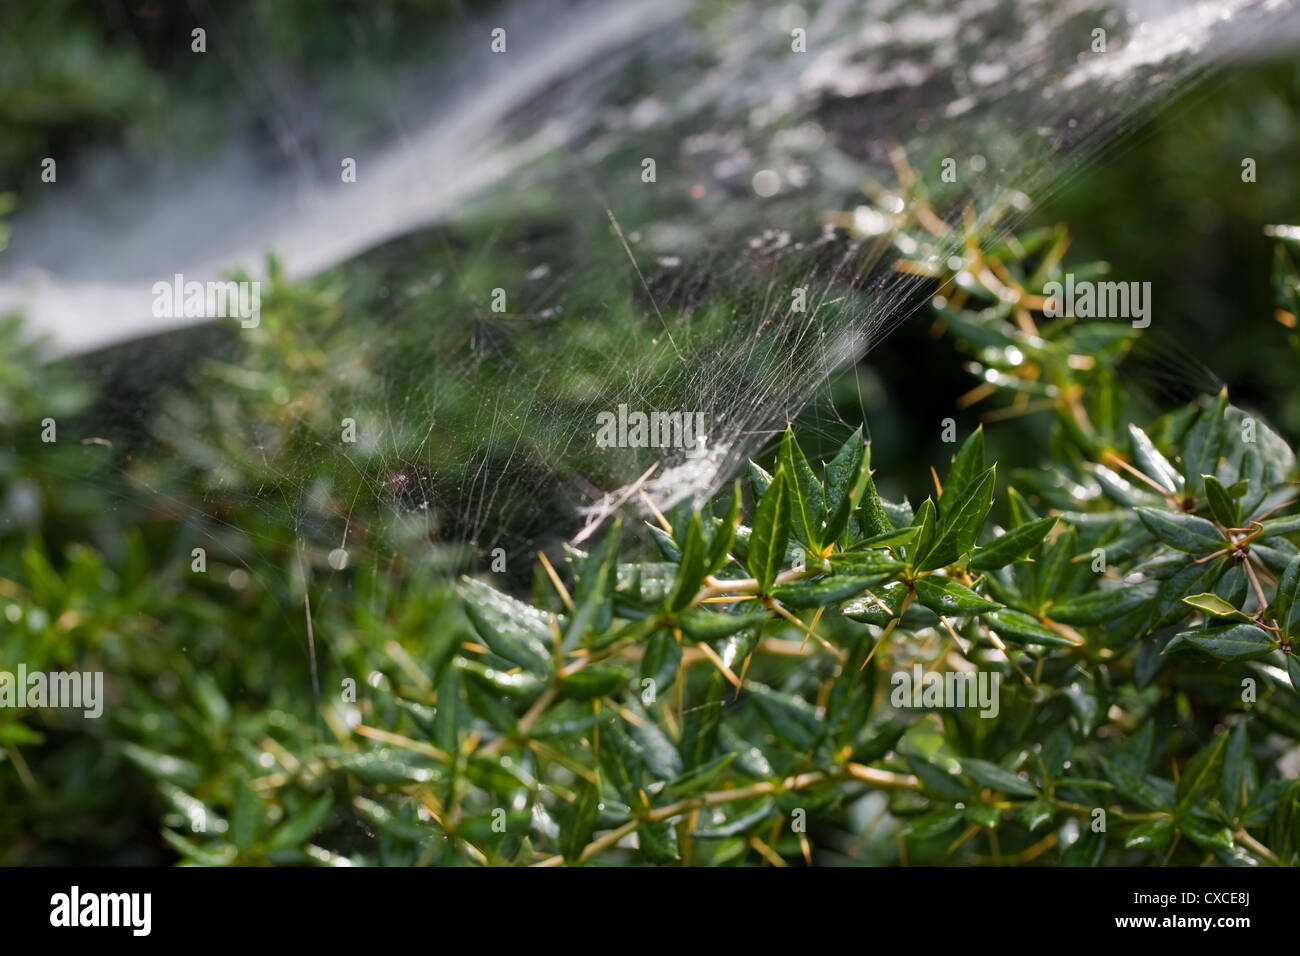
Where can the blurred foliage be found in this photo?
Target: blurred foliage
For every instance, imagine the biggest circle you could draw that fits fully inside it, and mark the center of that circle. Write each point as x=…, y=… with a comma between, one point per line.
x=75, y=75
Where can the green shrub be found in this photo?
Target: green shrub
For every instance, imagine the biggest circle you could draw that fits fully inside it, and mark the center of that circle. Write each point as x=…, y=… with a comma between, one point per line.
x=1126, y=613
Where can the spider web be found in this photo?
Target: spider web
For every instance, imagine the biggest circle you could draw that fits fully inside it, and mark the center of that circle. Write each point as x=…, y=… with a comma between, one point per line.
x=476, y=428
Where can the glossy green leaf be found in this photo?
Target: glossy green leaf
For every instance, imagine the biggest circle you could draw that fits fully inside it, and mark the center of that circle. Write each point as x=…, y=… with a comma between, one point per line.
x=1016, y=627
x=692, y=568
x=947, y=597
x=923, y=543
x=1286, y=604
x=824, y=591
x=767, y=540
x=707, y=625
x=1097, y=607
x=1215, y=606
x=847, y=475
x=511, y=629
x=959, y=528
x=1152, y=463
x=1222, y=505
x=966, y=466
x=725, y=534
x=1227, y=642
x=1013, y=545
x=1182, y=531
x=807, y=500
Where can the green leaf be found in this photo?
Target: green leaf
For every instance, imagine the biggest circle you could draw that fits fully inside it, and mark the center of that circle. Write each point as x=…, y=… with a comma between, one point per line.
x=967, y=464
x=738, y=825
x=771, y=531
x=667, y=546
x=658, y=841
x=1154, y=464
x=1021, y=512
x=691, y=570
x=298, y=829
x=1238, y=777
x=960, y=527
x=700, y=728
x=706, y=625
x=1134, y=753
x=825, y=591
x=698, y=778
x=1097, y=607
x=996, y=778
x=847, y=475
x=938, y=780
x=1016, y=627
x=594, y=680
x=221, y=855
x=174, y=770
x=1184, y=532
x=1286, y=604
x=1134, y=785
x=883, y=740
x=1191, y=578
x=807, y=501
x=1273, y=527
x=1222, y=505
x=1055, y=573
x=662, y=657
x=581, y=821
x=1206, y=835
x=898, y=538
x=865, y=562
x=1203, y=443
x=1036, y=813
x=869, y=611
x=759, y=480
x=1227, y=642
x=1150, y=835
x=594, y=589
x=923, y=543
x=511, y=629
x=872, y=512
x=391, y=823
x=792, y=719
x=247, y=817
x=947, y=597
x=1210, y=603
x=933, y=823
x=725, y=535
x=1015, y=544
x=1203, y=773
